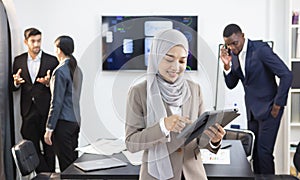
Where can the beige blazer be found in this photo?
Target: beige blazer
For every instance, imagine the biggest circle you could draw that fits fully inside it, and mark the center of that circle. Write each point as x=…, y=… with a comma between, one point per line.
x=139, y=137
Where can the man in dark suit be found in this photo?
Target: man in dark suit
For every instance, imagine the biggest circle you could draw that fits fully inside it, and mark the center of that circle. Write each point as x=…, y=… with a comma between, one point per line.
x=257, y=66
x=31, y=73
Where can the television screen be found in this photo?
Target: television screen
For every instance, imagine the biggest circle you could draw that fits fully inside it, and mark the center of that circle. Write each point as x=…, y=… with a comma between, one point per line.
x=126, y=40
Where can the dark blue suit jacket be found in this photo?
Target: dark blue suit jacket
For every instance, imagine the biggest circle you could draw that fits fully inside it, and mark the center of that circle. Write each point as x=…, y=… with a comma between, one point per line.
x=261, y=90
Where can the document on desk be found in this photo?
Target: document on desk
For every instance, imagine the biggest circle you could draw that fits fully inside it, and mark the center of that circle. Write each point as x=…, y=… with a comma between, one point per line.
x=104, y=146
x=222, y=157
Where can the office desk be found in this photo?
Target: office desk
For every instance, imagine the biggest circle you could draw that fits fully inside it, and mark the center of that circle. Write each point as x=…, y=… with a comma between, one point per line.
x=239, y=167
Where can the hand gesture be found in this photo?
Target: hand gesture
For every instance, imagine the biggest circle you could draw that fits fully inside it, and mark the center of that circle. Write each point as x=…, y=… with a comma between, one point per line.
x=225, y=57
x=215, y=133
x=176, y=123
x=17, y=78
x=44, y=80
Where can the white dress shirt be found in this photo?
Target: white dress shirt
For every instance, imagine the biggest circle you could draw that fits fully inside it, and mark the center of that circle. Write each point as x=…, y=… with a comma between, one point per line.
x=34, y=66
x=242, y=58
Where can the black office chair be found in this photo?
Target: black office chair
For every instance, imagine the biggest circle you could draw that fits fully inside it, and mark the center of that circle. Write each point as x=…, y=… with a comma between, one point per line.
x=246, y=137
x=296, y=160
x=27, y=160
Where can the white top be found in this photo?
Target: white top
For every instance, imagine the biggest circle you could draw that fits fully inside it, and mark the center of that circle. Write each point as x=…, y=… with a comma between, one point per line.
x=34, y=66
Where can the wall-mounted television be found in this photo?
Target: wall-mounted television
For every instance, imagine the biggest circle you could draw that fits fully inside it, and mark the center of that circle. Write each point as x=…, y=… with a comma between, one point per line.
x=126, y=40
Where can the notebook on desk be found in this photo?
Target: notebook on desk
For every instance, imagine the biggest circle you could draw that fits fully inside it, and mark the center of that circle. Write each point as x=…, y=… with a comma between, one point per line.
x=99, y=164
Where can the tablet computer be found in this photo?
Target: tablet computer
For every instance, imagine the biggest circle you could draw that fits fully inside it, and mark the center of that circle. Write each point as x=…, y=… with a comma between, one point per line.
x=205, y=120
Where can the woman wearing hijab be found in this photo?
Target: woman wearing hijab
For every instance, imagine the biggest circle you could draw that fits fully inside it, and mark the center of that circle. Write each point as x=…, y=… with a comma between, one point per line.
x=63, y=124
x=160, y=107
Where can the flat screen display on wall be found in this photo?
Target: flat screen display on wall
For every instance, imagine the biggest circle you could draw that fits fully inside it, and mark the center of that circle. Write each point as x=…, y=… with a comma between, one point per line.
x=126, y=40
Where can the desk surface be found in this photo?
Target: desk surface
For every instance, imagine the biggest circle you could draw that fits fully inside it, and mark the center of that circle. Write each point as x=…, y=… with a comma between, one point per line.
x=239, y=167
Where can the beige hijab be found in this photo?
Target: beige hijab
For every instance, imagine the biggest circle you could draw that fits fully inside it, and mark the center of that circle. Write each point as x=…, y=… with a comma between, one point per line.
x=158, y=92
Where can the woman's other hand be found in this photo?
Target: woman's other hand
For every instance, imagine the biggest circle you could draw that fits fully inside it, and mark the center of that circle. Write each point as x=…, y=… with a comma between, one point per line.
x=215, y=133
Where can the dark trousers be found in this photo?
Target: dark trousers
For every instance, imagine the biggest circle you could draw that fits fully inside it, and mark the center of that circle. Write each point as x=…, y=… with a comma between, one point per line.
x=33, y=128
x=265, y=131
x=65, y=141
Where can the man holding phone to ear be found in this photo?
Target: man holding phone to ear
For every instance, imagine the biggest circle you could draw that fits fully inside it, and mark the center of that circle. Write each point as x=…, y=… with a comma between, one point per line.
x=257, y=66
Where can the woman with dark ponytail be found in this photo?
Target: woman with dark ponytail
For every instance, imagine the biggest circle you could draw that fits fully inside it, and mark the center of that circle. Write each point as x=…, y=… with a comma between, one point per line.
x=63, y=124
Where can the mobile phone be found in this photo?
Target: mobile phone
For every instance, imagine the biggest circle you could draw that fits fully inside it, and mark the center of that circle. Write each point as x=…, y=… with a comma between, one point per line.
x=228, y=50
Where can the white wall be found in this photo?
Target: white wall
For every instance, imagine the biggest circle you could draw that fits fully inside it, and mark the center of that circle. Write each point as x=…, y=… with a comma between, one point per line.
x=104, y=93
